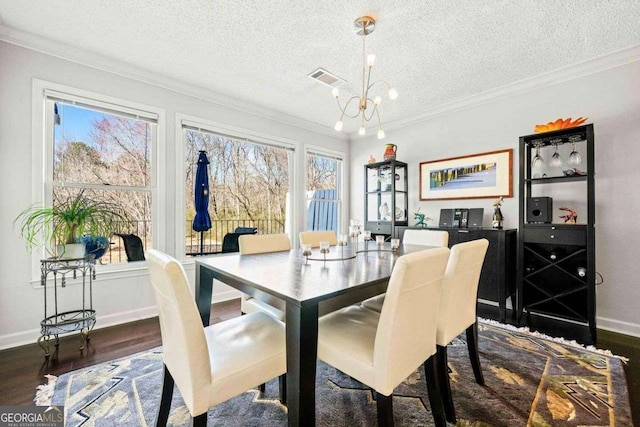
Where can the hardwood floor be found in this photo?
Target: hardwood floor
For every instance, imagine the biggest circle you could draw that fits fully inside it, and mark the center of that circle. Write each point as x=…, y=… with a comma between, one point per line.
x=22, y=369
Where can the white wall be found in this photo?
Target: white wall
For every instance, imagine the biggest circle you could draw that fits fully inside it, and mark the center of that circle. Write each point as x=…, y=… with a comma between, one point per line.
x=125, y=295
x=611, y=101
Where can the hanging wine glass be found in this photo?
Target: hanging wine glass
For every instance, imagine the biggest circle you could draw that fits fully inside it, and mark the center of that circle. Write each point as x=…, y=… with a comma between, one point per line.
x=538, y=161
x=574, y=157
x=556, y=160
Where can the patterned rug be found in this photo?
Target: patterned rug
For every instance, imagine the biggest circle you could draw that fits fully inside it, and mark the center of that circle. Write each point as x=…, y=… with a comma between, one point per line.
x=530, y=380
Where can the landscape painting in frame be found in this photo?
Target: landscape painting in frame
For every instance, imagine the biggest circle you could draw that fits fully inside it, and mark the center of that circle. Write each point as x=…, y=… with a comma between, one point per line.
x=483, y=175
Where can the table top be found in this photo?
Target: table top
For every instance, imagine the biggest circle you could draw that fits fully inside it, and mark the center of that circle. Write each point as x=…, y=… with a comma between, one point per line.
x=290, y=277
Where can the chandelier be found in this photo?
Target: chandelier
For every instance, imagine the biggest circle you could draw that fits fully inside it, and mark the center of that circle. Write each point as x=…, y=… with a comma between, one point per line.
x=367, y=106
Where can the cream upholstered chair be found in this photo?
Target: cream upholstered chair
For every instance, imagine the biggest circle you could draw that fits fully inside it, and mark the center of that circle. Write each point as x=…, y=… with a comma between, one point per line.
x=457, y=312
x=209, y=364
x=438, y=238
x=314, y=238
x=412, y=237
x=259, y=244
x=382, y=349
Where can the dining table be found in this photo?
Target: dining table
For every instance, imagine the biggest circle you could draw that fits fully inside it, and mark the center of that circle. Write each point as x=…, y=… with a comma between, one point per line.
x=304, y=288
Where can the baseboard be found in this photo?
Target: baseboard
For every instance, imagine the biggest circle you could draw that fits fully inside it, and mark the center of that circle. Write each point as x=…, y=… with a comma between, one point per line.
x=104, y=321
x=612, y=325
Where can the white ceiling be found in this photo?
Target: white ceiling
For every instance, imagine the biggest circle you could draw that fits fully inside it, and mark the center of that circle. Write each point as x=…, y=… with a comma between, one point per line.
x=260, y=52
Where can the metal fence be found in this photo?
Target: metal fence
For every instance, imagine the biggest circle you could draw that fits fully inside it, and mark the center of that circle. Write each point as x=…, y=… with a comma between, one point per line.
x=196, y=243
x=210, y=242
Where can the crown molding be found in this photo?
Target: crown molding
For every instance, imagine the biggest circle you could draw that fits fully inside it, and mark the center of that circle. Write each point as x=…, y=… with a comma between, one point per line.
x=89, y=59
x=574, y=71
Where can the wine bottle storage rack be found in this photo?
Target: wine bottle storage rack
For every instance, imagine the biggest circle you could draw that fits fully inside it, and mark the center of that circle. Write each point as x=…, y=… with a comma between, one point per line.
x=560, y=288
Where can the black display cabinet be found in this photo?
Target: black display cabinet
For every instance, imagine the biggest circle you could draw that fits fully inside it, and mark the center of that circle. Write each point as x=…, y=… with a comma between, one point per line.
x=386, y=202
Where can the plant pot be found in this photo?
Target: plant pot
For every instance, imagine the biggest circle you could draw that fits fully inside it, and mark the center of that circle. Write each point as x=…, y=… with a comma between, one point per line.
x=70, y=250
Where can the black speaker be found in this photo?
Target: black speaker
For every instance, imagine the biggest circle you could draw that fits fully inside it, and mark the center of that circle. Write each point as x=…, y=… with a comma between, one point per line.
x=539, y=209
x=474, y=219
x=464, y=218
x=446, y=218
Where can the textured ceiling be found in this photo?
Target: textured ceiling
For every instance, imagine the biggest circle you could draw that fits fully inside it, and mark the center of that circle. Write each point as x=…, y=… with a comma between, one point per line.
x=433, y=52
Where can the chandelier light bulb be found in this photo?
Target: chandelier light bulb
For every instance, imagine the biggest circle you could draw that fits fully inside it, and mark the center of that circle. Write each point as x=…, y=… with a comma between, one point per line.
x=393, y=94
x=371, y=59
x=338, y=125
x=362, y=130
x=335, y=92
x=377, y=100
x=380, y=133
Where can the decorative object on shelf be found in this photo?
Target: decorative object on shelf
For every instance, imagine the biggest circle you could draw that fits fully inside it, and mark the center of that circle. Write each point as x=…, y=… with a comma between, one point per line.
x=390, y=151
x=367, y=103
x=385, y=212
x=67, y=221
x=484, y=175
x=559, y=124
x=573, y=171
x=371, y=159
x=421, y=218
x=571, y=217
x=496, y=222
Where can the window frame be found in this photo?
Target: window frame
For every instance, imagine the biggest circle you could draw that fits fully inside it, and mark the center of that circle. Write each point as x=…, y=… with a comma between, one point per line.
x=42, y=157
x=340, y=181
x=205, y=125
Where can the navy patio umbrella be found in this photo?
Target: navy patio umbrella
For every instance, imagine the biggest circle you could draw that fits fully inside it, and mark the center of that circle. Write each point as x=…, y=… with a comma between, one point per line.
x=202, y=220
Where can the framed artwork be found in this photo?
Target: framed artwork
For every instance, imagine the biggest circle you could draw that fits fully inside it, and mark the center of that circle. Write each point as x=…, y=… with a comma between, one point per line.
x=484, y=175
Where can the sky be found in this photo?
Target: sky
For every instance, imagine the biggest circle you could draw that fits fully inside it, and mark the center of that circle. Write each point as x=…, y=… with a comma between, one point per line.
x=76, y=123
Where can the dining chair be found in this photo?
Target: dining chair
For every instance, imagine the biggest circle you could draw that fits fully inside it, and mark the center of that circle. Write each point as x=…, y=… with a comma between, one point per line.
x=209, y=364
x=457, y=312
x=258, y=244
x=382, y=349
x=437, y=238
x=314, y=238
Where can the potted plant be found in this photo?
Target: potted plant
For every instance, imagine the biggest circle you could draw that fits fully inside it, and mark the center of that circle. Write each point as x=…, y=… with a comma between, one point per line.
x=68, y=221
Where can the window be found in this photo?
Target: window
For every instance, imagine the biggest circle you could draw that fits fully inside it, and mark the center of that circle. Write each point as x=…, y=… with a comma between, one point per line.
x=323, y=190
x=106, y=151
x=249, y=187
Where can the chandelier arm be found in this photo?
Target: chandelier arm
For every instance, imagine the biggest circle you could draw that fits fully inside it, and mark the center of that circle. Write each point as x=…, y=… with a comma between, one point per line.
x=346, y=105
x=379, y=81
x=374, y=111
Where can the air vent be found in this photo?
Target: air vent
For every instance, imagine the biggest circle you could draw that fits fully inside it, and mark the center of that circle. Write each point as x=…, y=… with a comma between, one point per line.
x=326, y=78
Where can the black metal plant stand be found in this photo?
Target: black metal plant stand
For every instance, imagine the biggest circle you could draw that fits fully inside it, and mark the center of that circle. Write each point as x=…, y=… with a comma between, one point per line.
x=56, y=323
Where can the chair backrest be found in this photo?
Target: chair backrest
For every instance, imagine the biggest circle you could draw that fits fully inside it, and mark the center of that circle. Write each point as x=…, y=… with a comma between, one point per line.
x=314, y=238
x=426, y=237
x=460, y=289
x=263, y=243
x=230, y=240
x=184, y=347
x=133, y=247
x=406, y=334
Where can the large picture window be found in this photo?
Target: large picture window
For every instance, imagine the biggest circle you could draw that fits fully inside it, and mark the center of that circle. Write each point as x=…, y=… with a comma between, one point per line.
x=104, y=150
x=249, y=187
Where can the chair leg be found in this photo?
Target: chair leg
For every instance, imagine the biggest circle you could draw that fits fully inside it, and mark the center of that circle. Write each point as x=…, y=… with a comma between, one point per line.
x=472, y=346
x=442, y=372
x=433, y=388
x=282, y=379
x=262, y=387
x=385, y=410
x=165, y=399
x=200, y=420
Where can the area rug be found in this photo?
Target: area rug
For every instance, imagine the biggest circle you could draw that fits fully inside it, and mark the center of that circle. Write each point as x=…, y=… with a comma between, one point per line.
x=530, y=380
